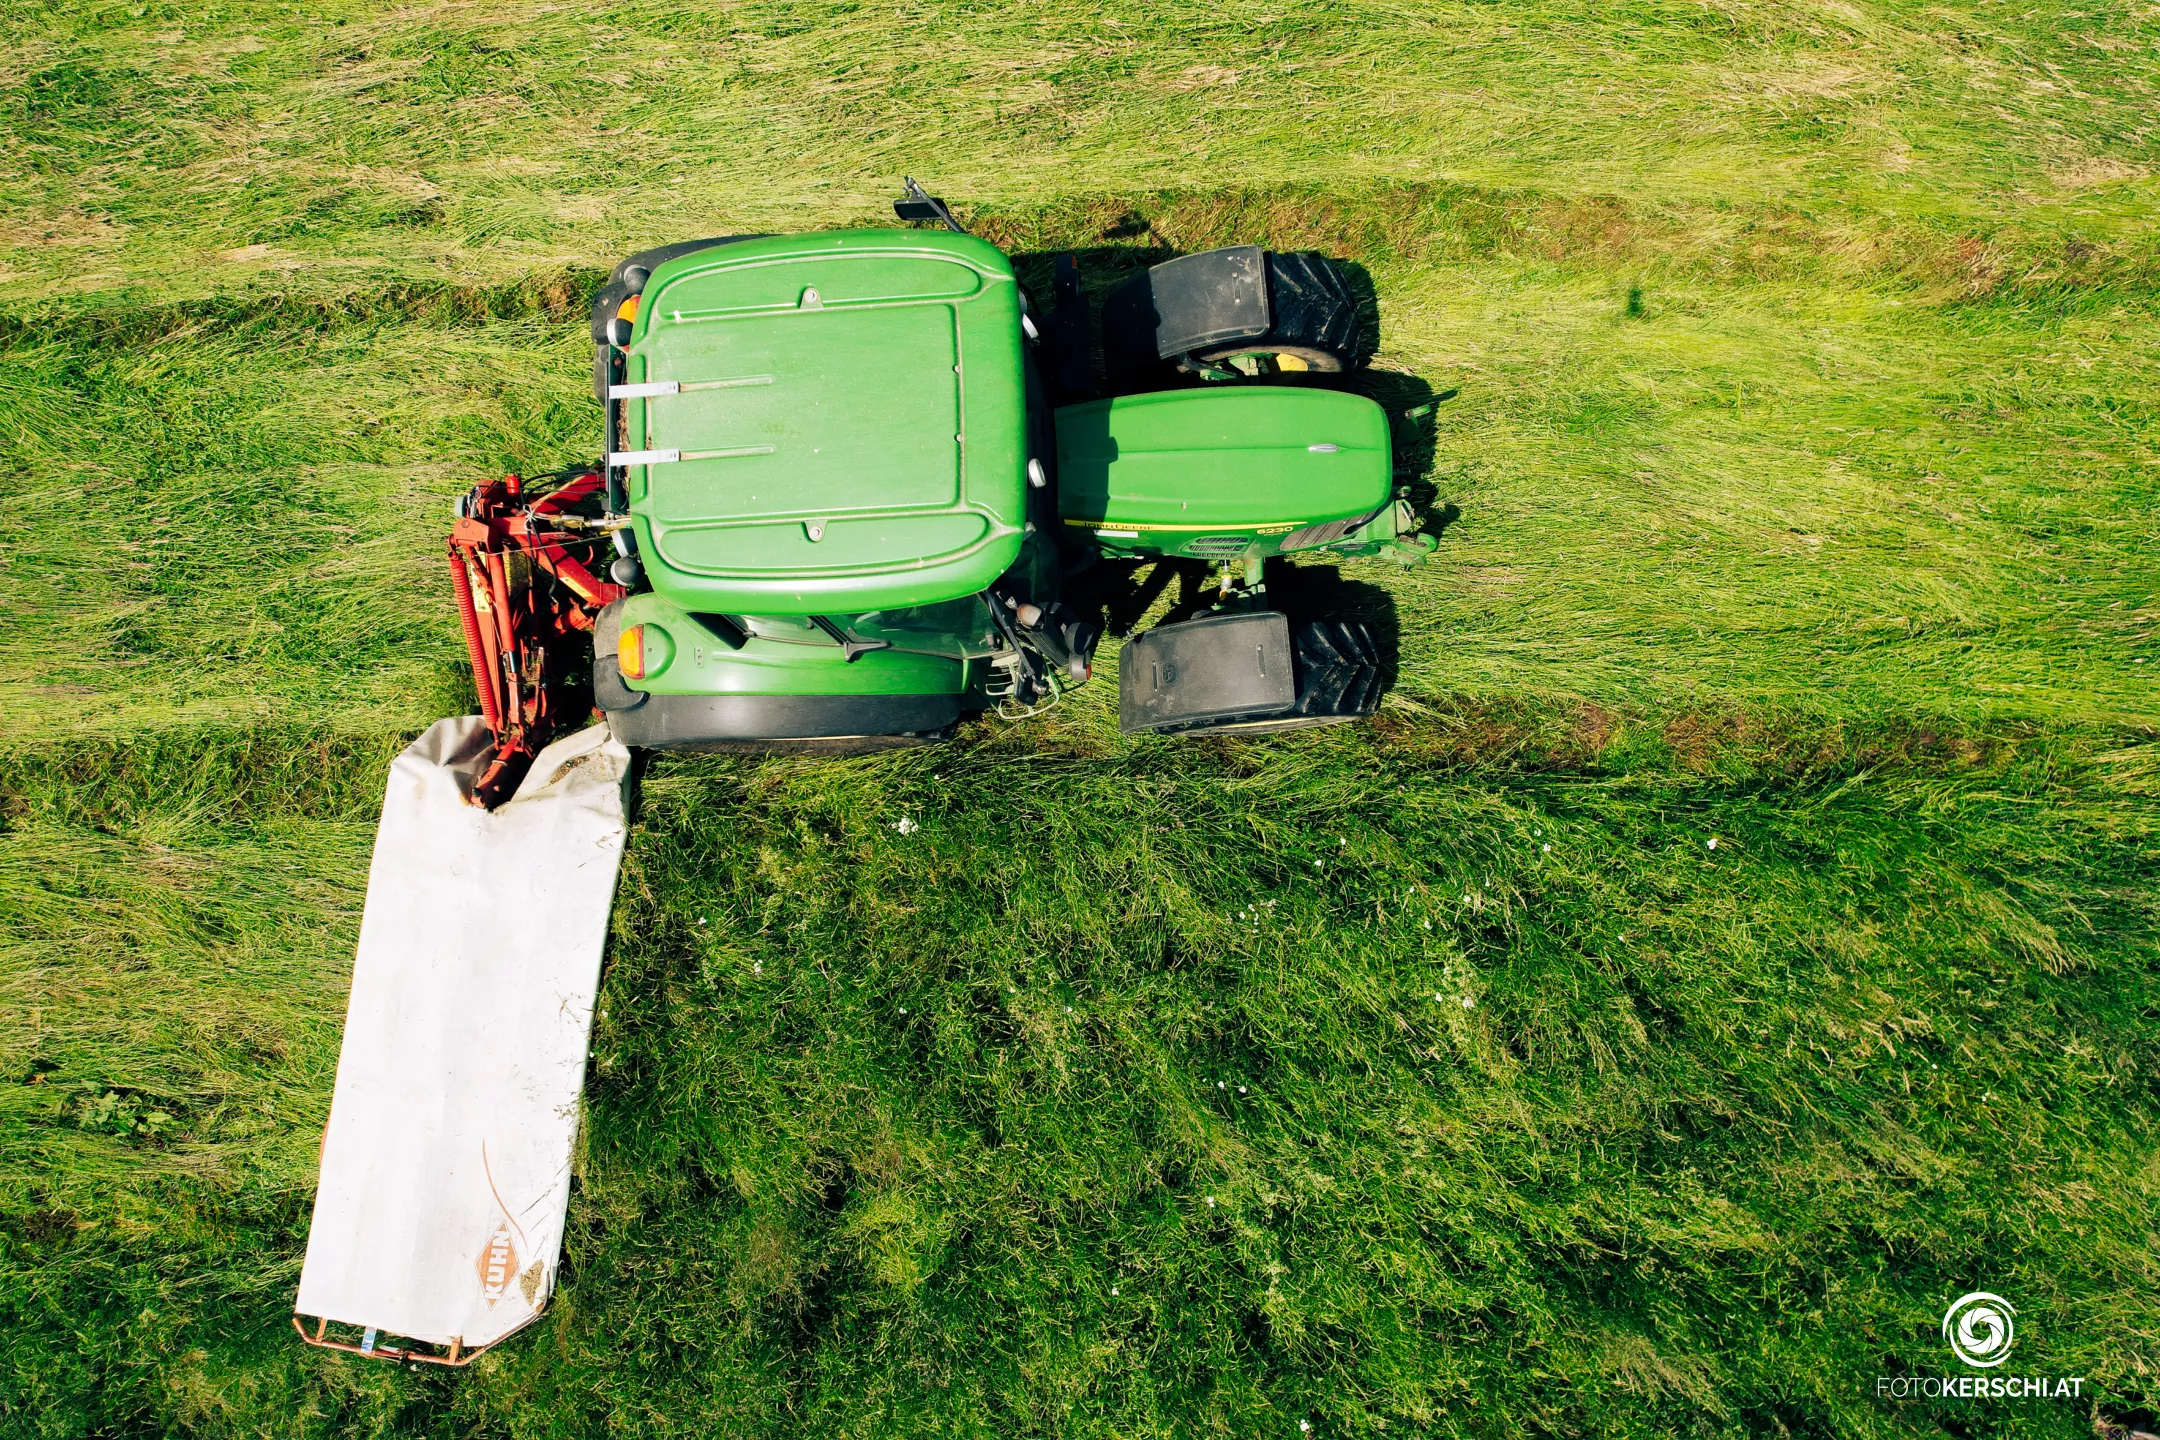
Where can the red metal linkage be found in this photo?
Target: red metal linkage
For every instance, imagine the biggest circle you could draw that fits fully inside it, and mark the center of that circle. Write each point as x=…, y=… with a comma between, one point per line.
x=526, y=603
x=483, y=666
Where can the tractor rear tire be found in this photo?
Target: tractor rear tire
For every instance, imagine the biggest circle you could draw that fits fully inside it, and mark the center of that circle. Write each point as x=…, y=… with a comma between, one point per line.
x=1339, y=679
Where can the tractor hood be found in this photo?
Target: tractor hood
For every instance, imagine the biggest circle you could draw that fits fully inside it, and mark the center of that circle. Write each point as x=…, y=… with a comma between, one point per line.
x=827, y=423
x=1264, y=459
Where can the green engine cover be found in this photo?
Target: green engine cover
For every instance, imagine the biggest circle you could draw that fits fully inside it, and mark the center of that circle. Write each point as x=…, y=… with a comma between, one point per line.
x=849, y=431
x=1223, y=474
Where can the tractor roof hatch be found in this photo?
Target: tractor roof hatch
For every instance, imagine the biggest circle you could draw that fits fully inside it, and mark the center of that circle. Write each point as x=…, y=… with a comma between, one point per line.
x=827, y=423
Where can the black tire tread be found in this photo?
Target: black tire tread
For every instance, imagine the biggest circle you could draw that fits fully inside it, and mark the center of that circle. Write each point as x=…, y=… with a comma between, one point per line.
x=1339, y=672
x=1311, y=306
x=1339, y=678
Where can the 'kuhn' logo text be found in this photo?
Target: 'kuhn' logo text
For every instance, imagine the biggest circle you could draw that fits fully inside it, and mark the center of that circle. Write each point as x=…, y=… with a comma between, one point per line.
x=497, y=1264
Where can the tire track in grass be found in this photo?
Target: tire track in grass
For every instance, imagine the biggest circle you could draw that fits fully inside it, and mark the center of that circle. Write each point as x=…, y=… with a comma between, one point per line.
x=1400, y=222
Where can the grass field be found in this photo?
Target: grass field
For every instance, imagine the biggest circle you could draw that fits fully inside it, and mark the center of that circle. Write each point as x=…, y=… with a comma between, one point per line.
x=1434, y=1077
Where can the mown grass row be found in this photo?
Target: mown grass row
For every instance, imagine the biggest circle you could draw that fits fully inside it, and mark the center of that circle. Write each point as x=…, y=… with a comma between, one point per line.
x=1656, y=492
x=1387, y=222
x=1431, y=1077
x=198, y=147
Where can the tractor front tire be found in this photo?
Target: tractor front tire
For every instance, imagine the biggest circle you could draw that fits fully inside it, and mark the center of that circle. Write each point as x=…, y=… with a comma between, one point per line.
x=1339, y=679
x=1290, y=314
x=1314, y=318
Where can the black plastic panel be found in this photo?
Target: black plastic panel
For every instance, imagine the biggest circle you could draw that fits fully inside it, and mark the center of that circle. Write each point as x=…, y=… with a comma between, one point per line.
x=1207, y=669
x=670, y=722
x=1190, y=303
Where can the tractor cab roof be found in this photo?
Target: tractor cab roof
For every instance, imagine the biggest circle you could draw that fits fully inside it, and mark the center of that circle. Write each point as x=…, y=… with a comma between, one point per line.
x=826, y=423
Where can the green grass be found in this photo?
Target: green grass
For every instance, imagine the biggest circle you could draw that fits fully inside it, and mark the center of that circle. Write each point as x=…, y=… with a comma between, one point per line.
x=1800, y=469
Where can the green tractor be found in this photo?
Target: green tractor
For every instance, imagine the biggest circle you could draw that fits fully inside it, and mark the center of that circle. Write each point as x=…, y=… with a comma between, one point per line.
x=846, y=508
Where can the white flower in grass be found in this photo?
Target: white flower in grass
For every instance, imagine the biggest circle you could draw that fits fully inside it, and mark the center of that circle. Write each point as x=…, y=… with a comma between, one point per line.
x=1304, y=1425
x=906, y=825
x=1548, y=847
x=1469, y=1002
x=1211, y=1202
x=1711, y=843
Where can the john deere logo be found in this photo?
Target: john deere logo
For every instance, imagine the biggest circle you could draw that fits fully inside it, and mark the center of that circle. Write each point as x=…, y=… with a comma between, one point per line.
x=1979, y=1329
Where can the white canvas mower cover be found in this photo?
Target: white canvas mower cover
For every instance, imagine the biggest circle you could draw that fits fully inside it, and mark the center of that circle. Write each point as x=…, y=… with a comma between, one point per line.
x=446, y=1162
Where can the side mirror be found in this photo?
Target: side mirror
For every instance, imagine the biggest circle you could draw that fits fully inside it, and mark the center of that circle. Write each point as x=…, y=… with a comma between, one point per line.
x=916, y=203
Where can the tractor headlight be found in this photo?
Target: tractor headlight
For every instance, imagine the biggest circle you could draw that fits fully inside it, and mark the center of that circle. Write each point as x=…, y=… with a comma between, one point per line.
x=642, y=651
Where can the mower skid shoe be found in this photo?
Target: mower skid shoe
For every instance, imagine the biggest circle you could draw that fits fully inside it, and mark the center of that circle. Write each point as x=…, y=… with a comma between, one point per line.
x=446, y=1161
